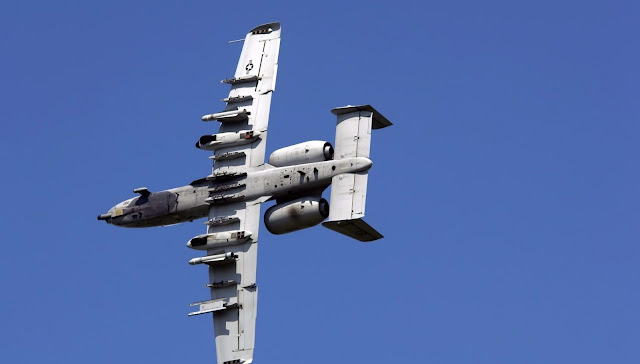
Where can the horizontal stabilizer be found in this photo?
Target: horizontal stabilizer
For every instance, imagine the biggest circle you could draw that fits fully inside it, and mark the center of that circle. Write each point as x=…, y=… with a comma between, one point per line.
x=356, y=228
x=349, y=190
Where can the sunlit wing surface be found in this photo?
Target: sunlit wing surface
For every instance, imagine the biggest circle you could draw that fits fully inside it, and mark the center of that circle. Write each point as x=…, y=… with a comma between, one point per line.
x=234, y=283
x=249, y=100
x=232, y=268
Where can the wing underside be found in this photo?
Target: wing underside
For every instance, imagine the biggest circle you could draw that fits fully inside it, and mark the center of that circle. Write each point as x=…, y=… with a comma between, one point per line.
x=249, y=100
x=232, y=276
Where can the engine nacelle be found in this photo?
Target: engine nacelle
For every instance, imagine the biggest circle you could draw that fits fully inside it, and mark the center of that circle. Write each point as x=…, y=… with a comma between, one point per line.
x=307, y=152
x=296, y=215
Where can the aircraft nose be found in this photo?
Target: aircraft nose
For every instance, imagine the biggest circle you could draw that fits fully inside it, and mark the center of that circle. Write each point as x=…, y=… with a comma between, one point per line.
x=108, y=217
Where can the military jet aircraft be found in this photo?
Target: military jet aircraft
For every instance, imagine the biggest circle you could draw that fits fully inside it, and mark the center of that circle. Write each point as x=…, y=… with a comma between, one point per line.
x=230, y=197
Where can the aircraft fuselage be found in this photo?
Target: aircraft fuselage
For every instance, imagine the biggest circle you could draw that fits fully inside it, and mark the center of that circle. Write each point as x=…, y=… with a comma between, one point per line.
x=191, y=202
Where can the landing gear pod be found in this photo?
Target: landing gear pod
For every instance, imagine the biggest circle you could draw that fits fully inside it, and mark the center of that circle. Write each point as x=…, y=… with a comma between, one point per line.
x=296, y=215
x=218, y=240
x=224, y=140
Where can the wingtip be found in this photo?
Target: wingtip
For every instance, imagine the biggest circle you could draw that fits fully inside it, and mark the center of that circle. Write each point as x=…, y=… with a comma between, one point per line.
x=266, y=28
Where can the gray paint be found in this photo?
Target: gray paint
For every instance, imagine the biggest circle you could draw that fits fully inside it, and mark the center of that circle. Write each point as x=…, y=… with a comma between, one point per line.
x=241, y=181
x=188, y=203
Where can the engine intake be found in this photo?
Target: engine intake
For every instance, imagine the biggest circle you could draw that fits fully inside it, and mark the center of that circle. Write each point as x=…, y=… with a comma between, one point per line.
x=307, y=152
x=296, y=215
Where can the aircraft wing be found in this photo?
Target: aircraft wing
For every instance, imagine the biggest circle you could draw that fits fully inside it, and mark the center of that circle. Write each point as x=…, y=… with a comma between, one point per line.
x=249, y=100
x=232, y=282
x=232, y=269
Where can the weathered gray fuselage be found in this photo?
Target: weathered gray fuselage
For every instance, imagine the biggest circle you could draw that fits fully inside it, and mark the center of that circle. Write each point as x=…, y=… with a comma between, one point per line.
x=191, y=202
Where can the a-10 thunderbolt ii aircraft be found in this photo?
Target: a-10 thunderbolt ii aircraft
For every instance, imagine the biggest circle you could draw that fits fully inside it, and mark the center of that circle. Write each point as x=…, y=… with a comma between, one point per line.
x=230, y=197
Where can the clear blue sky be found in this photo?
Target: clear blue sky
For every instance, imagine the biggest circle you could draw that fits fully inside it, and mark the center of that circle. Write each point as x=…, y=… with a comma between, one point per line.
x=507, y=190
